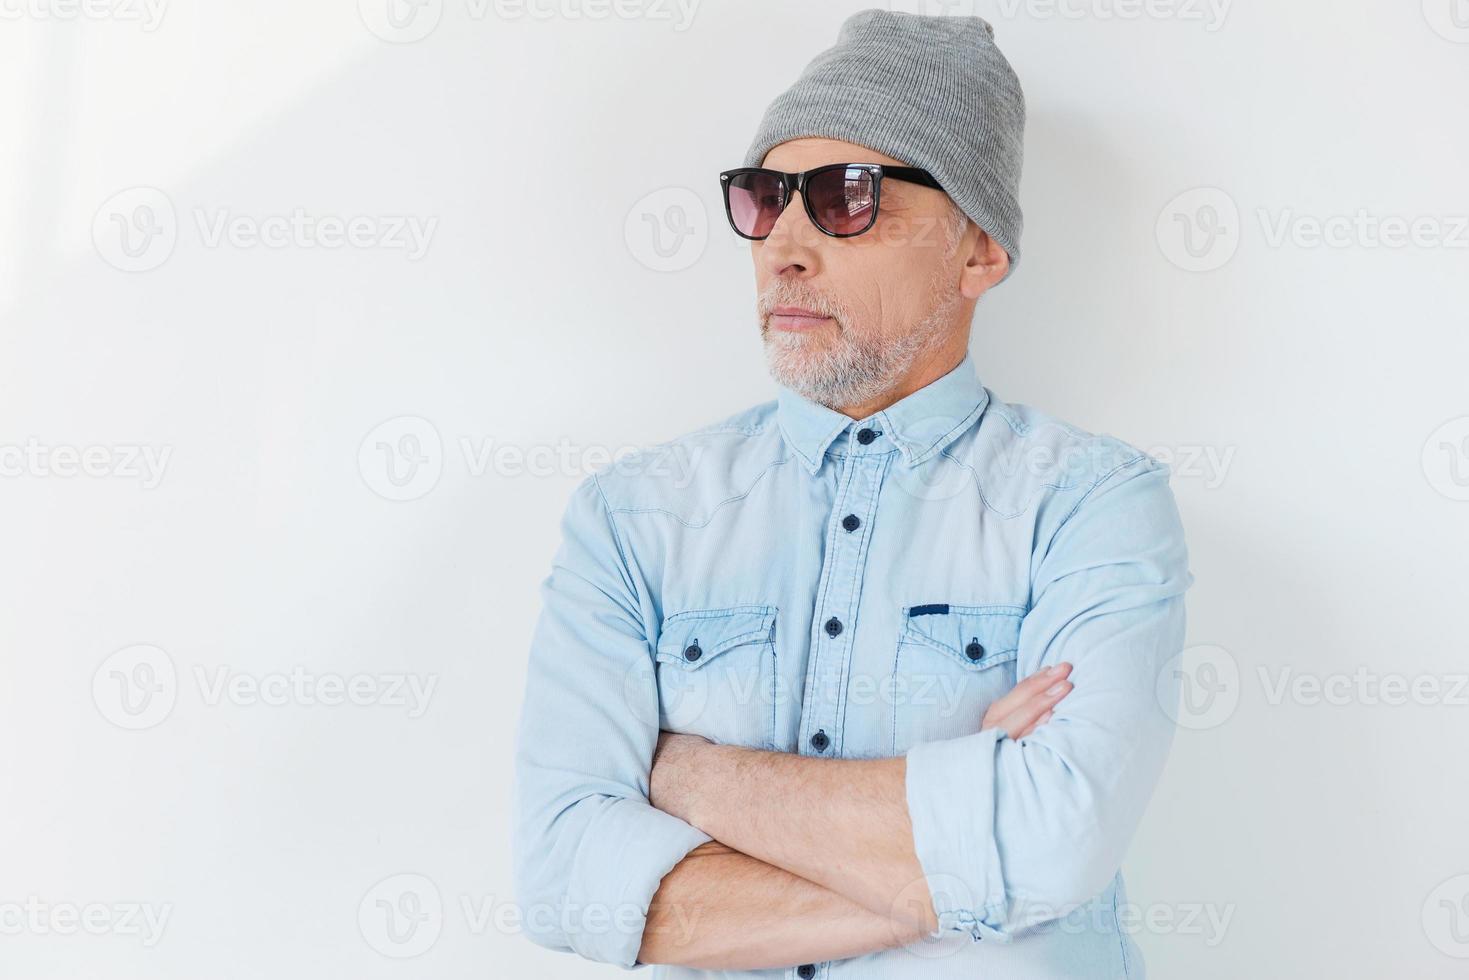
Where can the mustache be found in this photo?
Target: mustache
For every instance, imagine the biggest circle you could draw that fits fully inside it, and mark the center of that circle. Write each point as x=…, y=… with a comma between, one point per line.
x=789, y=294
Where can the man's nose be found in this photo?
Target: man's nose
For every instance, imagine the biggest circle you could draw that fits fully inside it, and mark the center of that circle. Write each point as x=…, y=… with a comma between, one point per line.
x=794, y=244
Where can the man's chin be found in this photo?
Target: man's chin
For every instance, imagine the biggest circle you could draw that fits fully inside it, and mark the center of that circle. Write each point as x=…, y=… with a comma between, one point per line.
x=816, y=338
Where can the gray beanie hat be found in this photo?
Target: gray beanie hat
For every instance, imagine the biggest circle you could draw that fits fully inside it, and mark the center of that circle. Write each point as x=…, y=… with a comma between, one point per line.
x=931, y=91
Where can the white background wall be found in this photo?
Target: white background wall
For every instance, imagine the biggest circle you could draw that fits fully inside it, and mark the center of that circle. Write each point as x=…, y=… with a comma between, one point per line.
x=1311, y=396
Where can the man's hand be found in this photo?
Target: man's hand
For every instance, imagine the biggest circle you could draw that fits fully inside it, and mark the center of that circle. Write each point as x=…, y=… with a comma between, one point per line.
x=1029, y=703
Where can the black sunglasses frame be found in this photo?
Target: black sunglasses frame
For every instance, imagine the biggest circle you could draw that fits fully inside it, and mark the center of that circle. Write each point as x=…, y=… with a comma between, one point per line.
x=796, y=182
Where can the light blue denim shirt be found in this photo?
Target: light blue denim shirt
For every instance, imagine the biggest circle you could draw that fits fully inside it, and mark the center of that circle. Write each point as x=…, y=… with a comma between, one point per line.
x=795, y=580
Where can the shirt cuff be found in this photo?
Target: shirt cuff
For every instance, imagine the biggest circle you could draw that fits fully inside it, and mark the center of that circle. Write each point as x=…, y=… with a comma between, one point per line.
x=950, y=788
x=620, y=862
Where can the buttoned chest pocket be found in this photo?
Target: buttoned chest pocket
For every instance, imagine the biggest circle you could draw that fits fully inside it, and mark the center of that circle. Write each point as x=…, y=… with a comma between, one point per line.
x=952, y=663
x=717, y=674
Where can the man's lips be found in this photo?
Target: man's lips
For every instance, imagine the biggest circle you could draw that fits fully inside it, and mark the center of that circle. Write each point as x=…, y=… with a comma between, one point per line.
x=795, y=318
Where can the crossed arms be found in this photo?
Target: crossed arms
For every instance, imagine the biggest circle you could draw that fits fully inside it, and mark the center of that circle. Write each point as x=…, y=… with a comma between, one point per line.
x=780, y=874
x=816, y=859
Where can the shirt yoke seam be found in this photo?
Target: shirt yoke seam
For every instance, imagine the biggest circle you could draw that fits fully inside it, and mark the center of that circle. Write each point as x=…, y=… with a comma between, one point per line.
x=713, y=511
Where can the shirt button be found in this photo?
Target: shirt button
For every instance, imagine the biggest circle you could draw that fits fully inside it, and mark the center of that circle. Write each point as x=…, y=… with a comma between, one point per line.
x=833, y=626
x=865, y=436
x=805, y=971
x=692, y=652
x=819, y=741
x=974, y=650
x=851, y=522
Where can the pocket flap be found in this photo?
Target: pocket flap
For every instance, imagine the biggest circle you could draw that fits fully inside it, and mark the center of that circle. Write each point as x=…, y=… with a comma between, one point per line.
x=691, y=639
x=976, y=636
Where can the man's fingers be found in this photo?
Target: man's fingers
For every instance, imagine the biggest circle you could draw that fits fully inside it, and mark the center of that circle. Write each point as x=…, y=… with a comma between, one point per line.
x=1038, y=723
x=1028, y=715
x=1032, y=687
x=1035, y=684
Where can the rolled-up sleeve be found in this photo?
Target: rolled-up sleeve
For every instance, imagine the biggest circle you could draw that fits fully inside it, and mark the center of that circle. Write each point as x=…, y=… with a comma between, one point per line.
x=589, y=850
x=1014, y=833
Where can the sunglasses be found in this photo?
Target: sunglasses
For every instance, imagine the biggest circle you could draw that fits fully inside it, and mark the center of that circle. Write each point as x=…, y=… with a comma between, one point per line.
x=841, y=198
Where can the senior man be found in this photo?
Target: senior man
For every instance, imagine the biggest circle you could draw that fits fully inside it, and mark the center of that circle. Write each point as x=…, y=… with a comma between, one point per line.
x=881, y=692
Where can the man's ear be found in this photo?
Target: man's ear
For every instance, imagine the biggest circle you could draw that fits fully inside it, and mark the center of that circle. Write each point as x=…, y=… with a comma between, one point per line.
x=984, y=265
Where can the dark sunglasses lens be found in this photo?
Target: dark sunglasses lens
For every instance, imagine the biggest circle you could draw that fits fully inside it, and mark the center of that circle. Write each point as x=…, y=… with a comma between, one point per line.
x=754, y=203
x=843, y=200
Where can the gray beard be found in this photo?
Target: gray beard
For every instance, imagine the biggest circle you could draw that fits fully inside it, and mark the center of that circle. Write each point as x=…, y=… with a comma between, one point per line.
x=852, y=370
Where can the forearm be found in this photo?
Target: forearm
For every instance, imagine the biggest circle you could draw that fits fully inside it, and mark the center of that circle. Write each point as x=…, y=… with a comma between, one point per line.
x=719, y=909
x=839, y=823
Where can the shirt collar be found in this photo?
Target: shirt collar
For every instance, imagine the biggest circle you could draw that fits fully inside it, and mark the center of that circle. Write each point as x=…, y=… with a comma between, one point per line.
x=920, y=424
